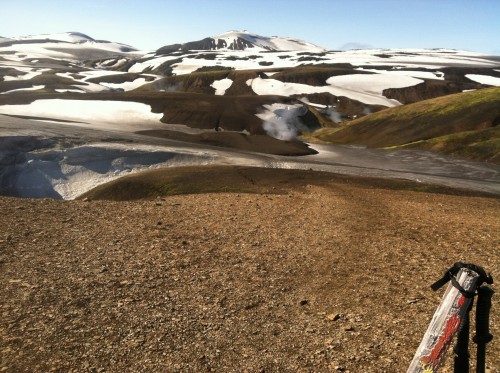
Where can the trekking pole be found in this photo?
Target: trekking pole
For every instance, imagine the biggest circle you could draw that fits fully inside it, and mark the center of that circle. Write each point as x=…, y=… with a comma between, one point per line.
x=461, y=350
x=449, y=316
x=483, y=336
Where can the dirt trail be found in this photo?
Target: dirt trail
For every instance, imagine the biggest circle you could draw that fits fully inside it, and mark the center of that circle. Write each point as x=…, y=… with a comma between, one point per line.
x=325, y=278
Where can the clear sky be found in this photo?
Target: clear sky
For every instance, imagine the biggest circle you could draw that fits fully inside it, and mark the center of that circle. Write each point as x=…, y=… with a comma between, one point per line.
x=149, y=24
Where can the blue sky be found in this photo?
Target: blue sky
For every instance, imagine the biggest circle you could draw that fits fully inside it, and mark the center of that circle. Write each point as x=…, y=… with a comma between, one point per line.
x=149, y=24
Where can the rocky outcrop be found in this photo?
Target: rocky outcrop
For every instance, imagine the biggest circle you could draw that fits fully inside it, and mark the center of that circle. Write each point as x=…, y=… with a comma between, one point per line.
x=428, y=89
x=455, y=81
x=206, y=44
x=346, y=107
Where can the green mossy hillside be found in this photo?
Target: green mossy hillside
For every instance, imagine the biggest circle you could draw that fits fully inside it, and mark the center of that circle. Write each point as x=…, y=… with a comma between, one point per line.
x=444, y=124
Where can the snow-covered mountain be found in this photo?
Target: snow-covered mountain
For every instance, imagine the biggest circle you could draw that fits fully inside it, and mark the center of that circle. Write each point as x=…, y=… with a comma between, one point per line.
x=67, y=46
x=243, y=40
x=226, y=87
x=68, y=37
x=74, y=62
x=233, y=39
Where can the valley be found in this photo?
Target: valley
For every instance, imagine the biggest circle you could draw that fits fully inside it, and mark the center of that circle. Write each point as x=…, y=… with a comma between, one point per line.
x=245, y=94
x=239, y=202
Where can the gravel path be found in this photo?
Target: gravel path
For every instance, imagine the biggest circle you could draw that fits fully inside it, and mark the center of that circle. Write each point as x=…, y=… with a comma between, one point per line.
x=325, y=278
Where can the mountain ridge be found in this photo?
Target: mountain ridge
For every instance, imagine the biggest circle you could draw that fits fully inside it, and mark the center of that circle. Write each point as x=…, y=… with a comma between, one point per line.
x=243, y=40
x=70, y=36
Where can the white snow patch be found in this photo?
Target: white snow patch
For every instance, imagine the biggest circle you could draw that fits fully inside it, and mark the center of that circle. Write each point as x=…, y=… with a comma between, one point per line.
x=221, y=86
x=239, y=60
x=484, y=79
x=184, y=68
x=69, y=90
x=68, y=173
x=42, y=50
x=107, y=64
x=305, y=100
x=86, y=110
x=126, y=86
x=30, y=74
x=98, y=73
x=11, y=57
x=87, y=86
x=415, y=74
x=66, y=75
x=373, y=83
x=34, y=88
x=93, y=87
x=275, y=87
x=68, y=37
x=151, y=64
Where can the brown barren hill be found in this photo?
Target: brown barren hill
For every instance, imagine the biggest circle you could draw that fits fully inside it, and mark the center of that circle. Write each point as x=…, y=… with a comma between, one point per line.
x=312, y=276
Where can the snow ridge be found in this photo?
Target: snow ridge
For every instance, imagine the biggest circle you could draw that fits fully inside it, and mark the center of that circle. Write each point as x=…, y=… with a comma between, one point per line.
x=68, y=37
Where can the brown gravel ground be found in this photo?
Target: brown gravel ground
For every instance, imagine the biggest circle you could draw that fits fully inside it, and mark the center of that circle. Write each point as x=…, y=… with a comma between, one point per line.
x=323, y=278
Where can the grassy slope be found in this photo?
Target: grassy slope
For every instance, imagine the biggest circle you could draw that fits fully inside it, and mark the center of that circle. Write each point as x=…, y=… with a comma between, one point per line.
x=239, y=179
x=435, y=119
x=198, y=179
x=481, y=145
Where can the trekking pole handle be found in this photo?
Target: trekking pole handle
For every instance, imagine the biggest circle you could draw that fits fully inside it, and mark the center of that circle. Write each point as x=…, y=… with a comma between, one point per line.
x=453, y=271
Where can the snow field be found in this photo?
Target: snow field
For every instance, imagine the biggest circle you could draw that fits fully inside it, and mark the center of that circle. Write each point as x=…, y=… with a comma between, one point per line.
x=151, y=64
x=484, y=79
x=126, y=86
x=34, y=88
x=275, y=87
x=88, y=74
x=104, y=86
x=394, y=58
x=30, y=73
x=68, y=173
x=374, y=83
x=86, y=111
x=68, y=37
x=70, y=90
x=42, y=50
x=415, y=74
x=60, y=46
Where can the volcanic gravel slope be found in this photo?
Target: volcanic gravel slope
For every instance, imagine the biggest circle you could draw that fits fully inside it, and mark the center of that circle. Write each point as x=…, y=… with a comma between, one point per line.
x=322, y=278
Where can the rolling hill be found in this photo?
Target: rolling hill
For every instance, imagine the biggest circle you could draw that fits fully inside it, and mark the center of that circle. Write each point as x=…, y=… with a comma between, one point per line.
x=236, y=92
x=464, y=124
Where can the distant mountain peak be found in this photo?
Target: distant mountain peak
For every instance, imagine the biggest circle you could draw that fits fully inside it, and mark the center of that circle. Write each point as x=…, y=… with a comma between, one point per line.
x=243, y=40
x=237, y=39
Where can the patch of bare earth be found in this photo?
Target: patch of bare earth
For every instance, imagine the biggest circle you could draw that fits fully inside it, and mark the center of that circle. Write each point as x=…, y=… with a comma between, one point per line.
x=326, y=278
